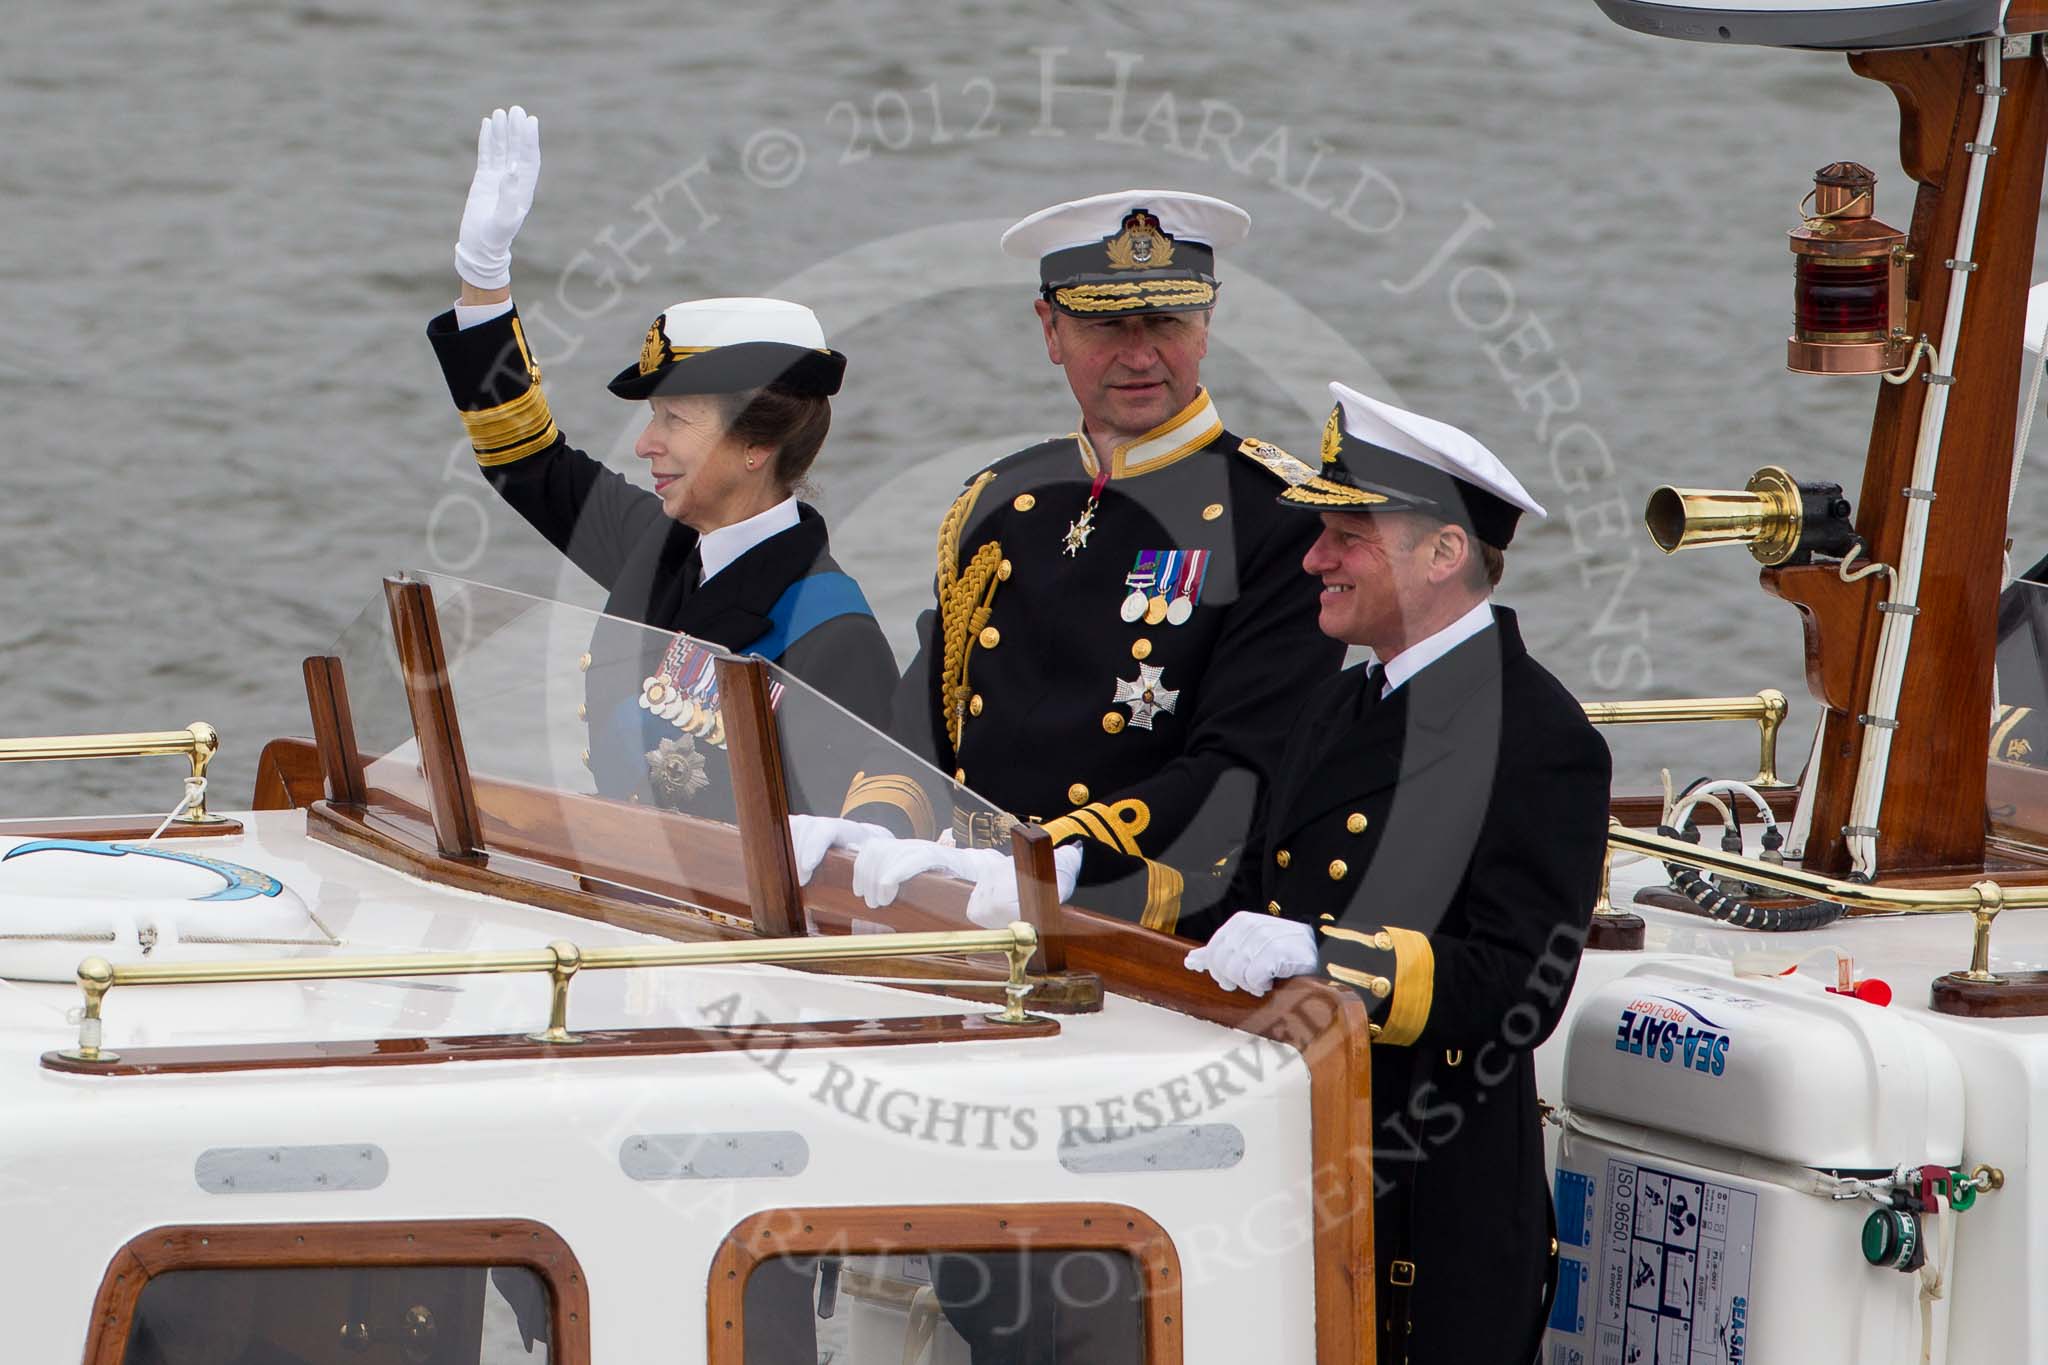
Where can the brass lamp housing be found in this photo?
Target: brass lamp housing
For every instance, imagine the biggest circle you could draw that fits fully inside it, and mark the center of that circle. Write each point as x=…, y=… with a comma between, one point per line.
x=1841, y=232
x=1765, y=516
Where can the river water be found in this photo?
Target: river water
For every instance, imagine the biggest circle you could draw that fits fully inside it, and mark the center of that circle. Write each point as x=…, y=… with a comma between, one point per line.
x=226, y=225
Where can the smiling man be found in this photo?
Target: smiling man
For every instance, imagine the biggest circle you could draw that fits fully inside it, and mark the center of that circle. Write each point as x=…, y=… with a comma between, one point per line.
x=1434, y=840
x=1121, y=621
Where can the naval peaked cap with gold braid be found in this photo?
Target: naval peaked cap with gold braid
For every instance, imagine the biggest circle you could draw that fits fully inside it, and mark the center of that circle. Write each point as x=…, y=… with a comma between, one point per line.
x=1381, y=455
x=730, y=346
x=1129, y=252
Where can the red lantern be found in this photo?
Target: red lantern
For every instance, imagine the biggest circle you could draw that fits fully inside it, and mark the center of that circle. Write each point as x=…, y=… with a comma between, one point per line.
x=1848, y=280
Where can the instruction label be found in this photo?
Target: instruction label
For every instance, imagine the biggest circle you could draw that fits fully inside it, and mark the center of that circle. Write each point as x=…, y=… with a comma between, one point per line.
x=1669, y=1283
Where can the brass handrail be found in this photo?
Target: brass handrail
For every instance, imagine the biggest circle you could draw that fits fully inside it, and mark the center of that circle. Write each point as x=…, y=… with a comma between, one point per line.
x=197, y=742
x=561, y=960
x=1767, y=708
x=1982, y=899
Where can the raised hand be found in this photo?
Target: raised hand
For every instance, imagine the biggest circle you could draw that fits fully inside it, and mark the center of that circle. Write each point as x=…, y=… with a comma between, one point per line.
x=500, y=195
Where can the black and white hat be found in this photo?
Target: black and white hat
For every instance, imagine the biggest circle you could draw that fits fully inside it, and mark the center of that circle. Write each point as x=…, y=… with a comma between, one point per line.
x=1132, y=251
x=731, y=345
x=1376, y=455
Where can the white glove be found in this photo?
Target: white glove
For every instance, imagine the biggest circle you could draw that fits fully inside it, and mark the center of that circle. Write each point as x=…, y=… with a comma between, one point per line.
x=1253, y=949
x=507, y=172
x=882, y=867
x=811, y=835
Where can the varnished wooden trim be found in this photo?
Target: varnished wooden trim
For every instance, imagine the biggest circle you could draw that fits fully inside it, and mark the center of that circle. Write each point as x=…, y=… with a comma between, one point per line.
x=334, y=729
x=2015, y=995
x=766, y=1040
x=760, y=798
x=1038, y=896
x=423, y=662
x=113, y=827
x=912, y=1229
x=1327, y=1025
x=404, y=842
x=223, y=1246
x=288, y=776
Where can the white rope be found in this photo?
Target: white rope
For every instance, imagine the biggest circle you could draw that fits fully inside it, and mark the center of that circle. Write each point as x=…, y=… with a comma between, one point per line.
x=195, y=792
x=1895, y=635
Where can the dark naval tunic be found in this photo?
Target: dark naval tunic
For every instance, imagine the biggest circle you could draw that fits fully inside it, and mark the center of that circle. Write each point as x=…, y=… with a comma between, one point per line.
x=1117, y=649
x=785, y=598
x=1447, y=839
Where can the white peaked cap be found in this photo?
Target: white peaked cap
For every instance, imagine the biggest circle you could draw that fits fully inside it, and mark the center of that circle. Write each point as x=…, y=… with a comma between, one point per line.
x=1437, y=445
x=1082, y=222
x=728, y=322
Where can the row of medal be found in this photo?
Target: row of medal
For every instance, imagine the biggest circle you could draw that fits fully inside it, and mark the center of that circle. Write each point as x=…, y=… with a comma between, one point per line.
x=1164, y=586
x=684, y=691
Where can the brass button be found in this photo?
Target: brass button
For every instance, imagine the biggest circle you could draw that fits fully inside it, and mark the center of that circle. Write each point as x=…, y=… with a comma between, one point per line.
x=1283, y=857
x=1112, y=721
x=582, y=711
x=1383, y=941
x=990, y=637
x=1337, y=869
x=974, y=704
x=1078, y=794
x=1141, y=649
x=1212, y=511
x=1024, y=502
x=960, y=775
x=583, y=663
x=1272, y=907
x=1003, y=571
x=1355, y=822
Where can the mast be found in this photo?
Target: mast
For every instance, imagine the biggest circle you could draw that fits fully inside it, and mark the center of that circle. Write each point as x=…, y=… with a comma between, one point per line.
x=1932, y=817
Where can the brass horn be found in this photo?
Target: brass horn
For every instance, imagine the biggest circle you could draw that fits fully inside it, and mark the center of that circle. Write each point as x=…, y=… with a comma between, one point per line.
x=1777, y=517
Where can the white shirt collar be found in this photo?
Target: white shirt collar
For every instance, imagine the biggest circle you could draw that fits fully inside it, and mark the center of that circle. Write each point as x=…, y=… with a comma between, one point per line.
x=716, y=549
x=1428, y=650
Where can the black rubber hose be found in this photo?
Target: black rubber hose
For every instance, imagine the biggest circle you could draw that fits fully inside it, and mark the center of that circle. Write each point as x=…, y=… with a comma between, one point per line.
x=1724, y=908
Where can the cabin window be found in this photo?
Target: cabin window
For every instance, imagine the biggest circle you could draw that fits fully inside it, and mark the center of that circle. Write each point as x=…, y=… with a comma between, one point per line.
x=1073, y=1284
x=482, y=1293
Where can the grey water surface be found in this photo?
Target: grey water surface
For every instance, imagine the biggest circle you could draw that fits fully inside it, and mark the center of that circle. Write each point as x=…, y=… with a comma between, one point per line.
x=226, y=224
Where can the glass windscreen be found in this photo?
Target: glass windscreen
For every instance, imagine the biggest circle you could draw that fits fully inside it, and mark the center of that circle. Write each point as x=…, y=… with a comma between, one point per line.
x=2016, y=775
x=566, y=713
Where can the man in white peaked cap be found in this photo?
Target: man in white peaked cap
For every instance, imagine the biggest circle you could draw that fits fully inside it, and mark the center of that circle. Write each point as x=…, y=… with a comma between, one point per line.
x=1434, y=839
x=1121, y=619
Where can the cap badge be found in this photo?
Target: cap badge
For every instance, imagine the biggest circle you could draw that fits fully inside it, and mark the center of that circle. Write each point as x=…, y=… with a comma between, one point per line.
x=654, y=350
x=1333, y=435
x=1142, y=245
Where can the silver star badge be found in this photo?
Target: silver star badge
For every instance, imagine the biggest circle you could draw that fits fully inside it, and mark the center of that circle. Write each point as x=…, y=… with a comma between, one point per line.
x=1145, y=696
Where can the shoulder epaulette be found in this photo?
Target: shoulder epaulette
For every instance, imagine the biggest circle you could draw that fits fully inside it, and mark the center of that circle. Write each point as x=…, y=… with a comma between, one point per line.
x=1277, y=462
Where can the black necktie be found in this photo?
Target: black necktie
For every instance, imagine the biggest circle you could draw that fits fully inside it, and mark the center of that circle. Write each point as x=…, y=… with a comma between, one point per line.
x=1375, y=683
x=693, y=569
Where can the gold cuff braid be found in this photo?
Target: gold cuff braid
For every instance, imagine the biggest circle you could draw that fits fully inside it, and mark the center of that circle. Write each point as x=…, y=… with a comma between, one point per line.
x=892, y=789
x=1414, y=987
x=1162, y=897
x=512, y=431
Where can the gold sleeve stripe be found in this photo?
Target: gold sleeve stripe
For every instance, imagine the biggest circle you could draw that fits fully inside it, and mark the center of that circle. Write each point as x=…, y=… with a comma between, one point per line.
x=1414, y=987
x=1162, y=897
x=1126, y=819
x=893, y=790
x=1065, y=828
x=1095, y=827
x=2009, y=720
x=511, y=431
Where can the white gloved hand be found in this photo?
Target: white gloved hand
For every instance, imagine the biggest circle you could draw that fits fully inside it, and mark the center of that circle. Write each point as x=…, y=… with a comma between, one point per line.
x=994, y=902
x=507, y=172
x=811, y=835
x=882, y=867
x=1254, y=949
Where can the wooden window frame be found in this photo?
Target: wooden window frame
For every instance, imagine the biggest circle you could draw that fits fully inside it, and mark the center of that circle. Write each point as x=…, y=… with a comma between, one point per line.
x=344, y=1246
x=918, y=1229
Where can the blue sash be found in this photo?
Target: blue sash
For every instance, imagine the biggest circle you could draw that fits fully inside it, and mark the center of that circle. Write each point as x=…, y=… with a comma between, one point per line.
x=804, y=606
